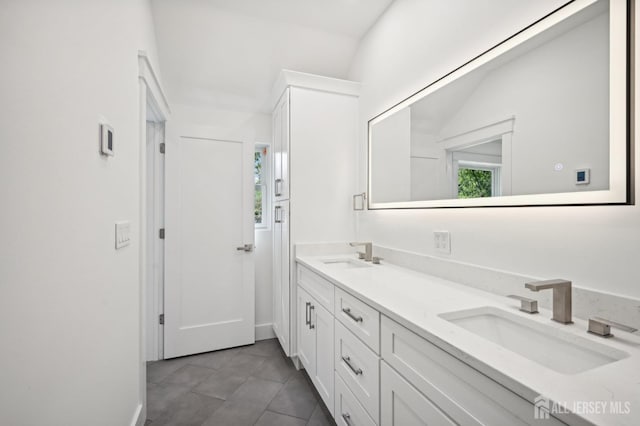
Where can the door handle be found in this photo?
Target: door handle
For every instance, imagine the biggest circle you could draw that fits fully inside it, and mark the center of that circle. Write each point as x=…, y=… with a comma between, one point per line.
x=311, y=326
x=307, y=321
x=276, y=185
x=247, y=248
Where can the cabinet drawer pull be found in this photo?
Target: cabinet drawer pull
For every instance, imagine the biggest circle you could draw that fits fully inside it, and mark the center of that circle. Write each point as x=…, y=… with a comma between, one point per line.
x=347, y=419
x=276, y=216
x=311, y=308
x=276, y=185
x=350, y=315
x=307, y=315
x=347, y=360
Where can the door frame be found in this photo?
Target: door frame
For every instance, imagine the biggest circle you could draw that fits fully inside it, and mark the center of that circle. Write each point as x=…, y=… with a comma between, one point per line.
x=152, y=102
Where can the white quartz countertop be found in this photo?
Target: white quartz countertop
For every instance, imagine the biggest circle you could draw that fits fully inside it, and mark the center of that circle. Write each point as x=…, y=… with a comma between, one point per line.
x=416, y=300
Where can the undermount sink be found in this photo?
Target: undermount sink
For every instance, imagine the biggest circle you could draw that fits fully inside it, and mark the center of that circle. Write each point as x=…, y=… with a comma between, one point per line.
x=345, y=262
x=560, y=351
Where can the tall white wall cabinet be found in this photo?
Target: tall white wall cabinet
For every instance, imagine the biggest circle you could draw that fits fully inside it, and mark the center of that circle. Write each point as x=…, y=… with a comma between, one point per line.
x=315, y=160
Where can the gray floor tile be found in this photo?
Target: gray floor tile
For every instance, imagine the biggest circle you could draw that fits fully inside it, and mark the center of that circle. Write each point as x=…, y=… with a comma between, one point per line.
x=215, y=359
x=269, y=347
x=189, y=375
x=276, y=368
x=157, y=371
x=160, y=397
x=270, y=418
x=295, y=398
x=220, y=385
x=235, y=413
x=321, y=417
x=190, y=409
x=256, y=391
x=243, y=365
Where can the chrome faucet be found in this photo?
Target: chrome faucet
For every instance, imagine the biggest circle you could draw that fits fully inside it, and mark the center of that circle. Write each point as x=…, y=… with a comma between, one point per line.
x=561, y=297
x=368, y=250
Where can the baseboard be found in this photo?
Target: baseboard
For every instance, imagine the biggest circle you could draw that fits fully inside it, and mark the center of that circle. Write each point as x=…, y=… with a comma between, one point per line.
x=138, y=418
x=264, y=331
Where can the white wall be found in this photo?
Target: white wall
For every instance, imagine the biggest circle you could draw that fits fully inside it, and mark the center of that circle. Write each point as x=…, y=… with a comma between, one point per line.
x=544, y=90
x=390, y=158
x=69, y=302
x=417, y=41
x=236, y=125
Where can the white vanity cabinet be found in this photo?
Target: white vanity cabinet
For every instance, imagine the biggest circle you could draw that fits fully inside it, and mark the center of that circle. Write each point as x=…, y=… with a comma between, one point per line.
x=314, y=131
x=371, y=370
x=315, y=344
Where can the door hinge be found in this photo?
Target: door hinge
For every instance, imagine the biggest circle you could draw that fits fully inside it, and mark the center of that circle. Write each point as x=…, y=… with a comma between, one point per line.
x=161, y=233
x=162, y=148
x=161, y=319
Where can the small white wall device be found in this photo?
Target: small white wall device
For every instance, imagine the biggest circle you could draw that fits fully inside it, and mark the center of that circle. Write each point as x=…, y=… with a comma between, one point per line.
x=106, y=139
x=583, y=176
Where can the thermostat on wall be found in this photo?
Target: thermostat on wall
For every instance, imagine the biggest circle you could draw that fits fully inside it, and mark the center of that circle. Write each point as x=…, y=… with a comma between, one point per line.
x=106, y=139
x=582, y=176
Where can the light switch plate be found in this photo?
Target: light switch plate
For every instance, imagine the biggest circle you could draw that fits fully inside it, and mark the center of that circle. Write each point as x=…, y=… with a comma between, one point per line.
x=442, y=241
x=123, y=237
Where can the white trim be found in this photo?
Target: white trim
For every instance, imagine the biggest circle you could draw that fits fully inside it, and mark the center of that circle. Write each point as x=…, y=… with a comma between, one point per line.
x=264, y=331
x=150, y=95
x=479, y=135
x=288, y=78
x=138, y=419
x=146, y=73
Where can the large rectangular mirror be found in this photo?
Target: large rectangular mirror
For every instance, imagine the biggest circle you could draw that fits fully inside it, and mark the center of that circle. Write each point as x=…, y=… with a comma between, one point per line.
x=540, y=119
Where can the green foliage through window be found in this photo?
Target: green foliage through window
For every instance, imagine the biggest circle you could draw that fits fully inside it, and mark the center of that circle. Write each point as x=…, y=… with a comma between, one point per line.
x=260, y=185
x=473, y=183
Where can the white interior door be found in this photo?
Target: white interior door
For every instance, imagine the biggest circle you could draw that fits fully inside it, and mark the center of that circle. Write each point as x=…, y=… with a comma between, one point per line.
x=209, y=283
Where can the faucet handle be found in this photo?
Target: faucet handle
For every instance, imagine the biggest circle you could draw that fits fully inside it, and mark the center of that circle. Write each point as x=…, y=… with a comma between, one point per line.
x=602, y=327
x=527, y=305
x=376, y=260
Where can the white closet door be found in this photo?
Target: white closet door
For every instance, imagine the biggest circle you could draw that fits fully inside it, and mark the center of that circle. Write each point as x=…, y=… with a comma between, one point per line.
x=209, y=284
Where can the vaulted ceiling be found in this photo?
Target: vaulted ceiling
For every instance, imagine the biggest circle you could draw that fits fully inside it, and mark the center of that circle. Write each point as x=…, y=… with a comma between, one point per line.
x=227, y=53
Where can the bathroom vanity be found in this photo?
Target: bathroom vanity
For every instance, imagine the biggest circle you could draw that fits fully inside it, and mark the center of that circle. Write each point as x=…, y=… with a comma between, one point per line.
x=387, y=345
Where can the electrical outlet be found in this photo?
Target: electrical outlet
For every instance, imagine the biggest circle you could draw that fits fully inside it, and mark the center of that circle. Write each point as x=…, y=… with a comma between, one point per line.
x=442, y=241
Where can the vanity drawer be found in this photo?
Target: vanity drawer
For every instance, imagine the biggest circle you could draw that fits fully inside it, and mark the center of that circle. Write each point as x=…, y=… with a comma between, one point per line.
x=319, y=288
x=402, y=404
x=466, y=395
x=360, y=318
x=348, y=411
x=359, y=367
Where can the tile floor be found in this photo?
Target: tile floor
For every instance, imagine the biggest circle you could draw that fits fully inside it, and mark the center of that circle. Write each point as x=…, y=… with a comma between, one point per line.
x=251, y=385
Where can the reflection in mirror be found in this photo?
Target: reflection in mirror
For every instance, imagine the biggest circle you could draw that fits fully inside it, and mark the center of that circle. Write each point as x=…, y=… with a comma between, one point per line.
x=526, y=121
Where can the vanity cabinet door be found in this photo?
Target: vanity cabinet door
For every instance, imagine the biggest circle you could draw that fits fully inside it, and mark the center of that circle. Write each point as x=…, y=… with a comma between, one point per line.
x=322, y=377
x=315, y=344
x=306, y=334
x=402, y=405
